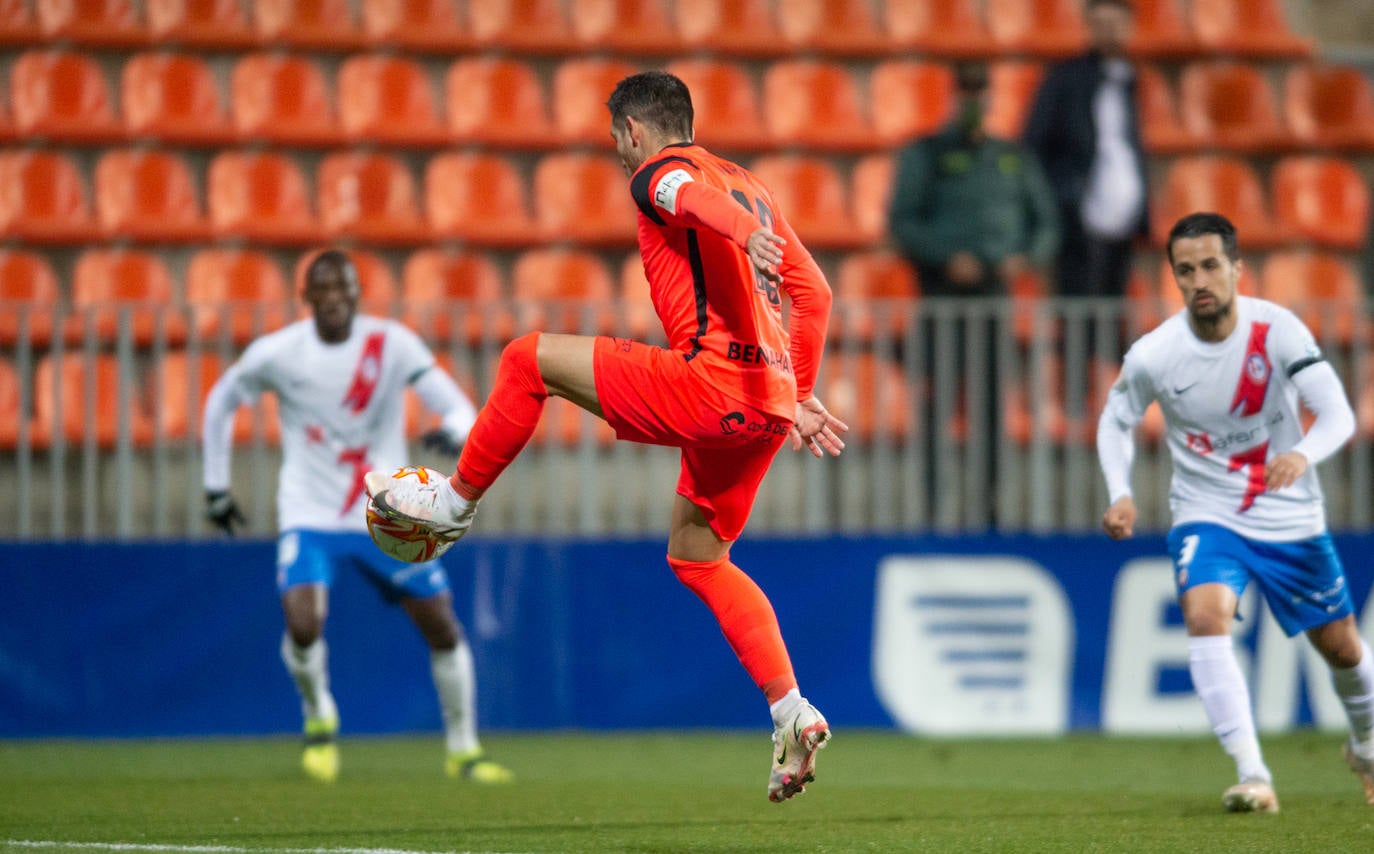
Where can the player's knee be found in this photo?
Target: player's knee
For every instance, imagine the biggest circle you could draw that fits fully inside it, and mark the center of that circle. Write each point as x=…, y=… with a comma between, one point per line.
x=522, y=354
x=304, y=629
x=693, y=573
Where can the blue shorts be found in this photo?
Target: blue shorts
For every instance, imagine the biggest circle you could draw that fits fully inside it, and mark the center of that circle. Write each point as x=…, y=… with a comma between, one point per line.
x=1301, y=580
x=306, y=557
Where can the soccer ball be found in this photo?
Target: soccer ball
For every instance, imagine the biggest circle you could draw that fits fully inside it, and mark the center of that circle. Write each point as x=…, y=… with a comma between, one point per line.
x=403, y=539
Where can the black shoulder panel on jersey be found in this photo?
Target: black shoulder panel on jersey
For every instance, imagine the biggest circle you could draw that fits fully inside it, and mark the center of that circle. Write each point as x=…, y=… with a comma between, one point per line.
x=1304, y=363
x=639, y=187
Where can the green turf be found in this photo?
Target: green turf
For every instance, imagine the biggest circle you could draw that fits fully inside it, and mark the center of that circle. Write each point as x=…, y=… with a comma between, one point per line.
x=669, y=792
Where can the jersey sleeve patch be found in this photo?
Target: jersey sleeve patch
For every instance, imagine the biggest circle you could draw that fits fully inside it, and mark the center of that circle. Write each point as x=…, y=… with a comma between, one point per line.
x=645, y=192
x=665, y=193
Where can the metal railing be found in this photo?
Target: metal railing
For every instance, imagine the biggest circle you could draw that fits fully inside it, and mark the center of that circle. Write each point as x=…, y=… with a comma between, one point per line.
x=967, y=415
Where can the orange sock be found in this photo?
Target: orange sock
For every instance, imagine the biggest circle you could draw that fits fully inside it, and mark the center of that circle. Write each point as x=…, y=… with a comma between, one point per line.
x=746, y=618
x=506, y=422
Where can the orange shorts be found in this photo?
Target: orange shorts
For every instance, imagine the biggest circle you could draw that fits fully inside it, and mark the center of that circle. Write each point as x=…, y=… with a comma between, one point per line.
x=656, y=397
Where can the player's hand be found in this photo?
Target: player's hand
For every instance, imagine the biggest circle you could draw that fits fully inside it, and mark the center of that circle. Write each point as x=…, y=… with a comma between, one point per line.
x=765, y=251
x=1283, y=470
x=1119, y=520
x=223, y=510
x=816, y=428
x=440, y=442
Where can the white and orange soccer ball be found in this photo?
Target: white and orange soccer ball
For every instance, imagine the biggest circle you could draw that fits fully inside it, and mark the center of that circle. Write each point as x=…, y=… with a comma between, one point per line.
x=402, y=539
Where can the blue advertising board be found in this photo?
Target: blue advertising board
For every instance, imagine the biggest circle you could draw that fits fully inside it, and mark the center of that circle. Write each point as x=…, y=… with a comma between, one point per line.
x=943, y=636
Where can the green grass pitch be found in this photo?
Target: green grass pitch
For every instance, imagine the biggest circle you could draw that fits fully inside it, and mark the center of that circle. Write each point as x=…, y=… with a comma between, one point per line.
x=673, y=792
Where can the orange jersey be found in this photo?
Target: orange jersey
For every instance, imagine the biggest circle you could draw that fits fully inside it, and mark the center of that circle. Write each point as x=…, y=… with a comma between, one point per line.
x=696, y=212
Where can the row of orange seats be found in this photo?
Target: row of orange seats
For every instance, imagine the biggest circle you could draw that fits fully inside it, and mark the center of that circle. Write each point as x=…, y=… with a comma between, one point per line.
x=486, y=200
x=657, y=27
x=284, y=98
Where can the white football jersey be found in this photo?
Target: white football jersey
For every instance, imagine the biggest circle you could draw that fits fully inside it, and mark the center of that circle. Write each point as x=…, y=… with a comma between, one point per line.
x=1229, y=407
x=342, y=413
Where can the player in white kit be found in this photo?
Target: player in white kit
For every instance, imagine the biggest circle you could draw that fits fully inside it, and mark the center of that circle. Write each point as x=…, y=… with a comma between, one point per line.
x=1229, y=372
x=339, y=378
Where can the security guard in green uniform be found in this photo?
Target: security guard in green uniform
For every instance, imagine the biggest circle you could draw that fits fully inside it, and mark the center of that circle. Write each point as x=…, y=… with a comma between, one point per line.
x=970, y=211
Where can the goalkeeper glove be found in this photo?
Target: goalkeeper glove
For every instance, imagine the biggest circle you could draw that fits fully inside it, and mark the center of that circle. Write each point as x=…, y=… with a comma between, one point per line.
x=223, y=510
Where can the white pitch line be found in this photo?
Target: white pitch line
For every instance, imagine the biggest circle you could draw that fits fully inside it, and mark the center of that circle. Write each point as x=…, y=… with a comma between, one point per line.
x=211, y=849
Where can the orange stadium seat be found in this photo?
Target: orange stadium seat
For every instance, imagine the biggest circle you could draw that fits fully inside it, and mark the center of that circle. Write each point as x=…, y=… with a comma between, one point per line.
x=872, y=393
x=480, y=198
x=262, y=197
x=147, y=195
x=283, y=98
x=562, y=290
x=173, y=97
x=29, y=295
x=1330, y=106
x=1159, y=123
x=841, y=27
x=323, y=24
x=944, y=27
x=1245, y=27
x=370, y=197
x=1013, y=86
x=624, y=26
x=17, y=25
x=11, y=406
x=103, y=23
x=199, y=23
x=523, y=26
x=498, y=101
x=61, y=94
x=638, y=319
x=910, y=99
x=67, y=384
x=816, y=105
x=387, y=99
x=1047, y=28
x=1226, y=185
x=580, y=89
x=422, y=25
x=455, y=296
x=1161, y=31
x=179, y=386
x=873, y=295
x=872, y=182
x=728, y=27
x=114, y=286
x=813, y=198
x=1230, y=105
x=43, y=199
x=1323, y=289
x=235, y=291
x=726, y=103
x=584, y=198
x=1324, y=200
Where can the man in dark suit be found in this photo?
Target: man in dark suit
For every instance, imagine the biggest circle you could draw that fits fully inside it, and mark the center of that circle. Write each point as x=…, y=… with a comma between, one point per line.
x=1084, y=128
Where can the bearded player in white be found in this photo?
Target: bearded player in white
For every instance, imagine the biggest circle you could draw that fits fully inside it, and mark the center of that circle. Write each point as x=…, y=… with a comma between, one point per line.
x=1228, y=372
x=339, y=378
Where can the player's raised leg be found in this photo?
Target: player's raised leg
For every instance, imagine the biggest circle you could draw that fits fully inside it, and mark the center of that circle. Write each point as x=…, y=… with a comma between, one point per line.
x=1352, y=675
x=532, y=367
x=750, y=626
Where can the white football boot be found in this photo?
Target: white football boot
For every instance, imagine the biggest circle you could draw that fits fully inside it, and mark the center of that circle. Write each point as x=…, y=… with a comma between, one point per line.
x=430, y=502
x=794, y=753
x=1251, y=796
x=1362, y=768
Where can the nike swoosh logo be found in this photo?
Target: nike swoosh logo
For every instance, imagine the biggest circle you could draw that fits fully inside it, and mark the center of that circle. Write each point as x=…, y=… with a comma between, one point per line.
x=782, y=757
x=1178, y=390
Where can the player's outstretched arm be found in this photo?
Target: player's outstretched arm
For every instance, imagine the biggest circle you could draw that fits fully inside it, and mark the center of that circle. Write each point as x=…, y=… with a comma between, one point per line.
x=817, y=429
x=442, y=396
x=217, y=443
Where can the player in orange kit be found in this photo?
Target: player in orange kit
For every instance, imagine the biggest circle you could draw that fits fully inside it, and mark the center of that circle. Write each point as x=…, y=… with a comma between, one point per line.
x=733, y=384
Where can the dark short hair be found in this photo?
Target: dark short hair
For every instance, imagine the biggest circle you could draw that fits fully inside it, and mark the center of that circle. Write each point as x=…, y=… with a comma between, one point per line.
x=656, y=98
x=336, y=258
x=1200, y=224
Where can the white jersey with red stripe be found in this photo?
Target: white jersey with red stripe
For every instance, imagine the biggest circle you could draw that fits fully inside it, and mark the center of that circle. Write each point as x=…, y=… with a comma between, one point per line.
x=342, y=413
x=1229, y=407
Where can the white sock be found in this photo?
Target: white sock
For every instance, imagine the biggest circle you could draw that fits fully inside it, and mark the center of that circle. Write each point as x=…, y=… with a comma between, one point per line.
x=1355, y=687
x=1226, y=698
x=309, y=668
x=453, y=680
x=786, y=708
